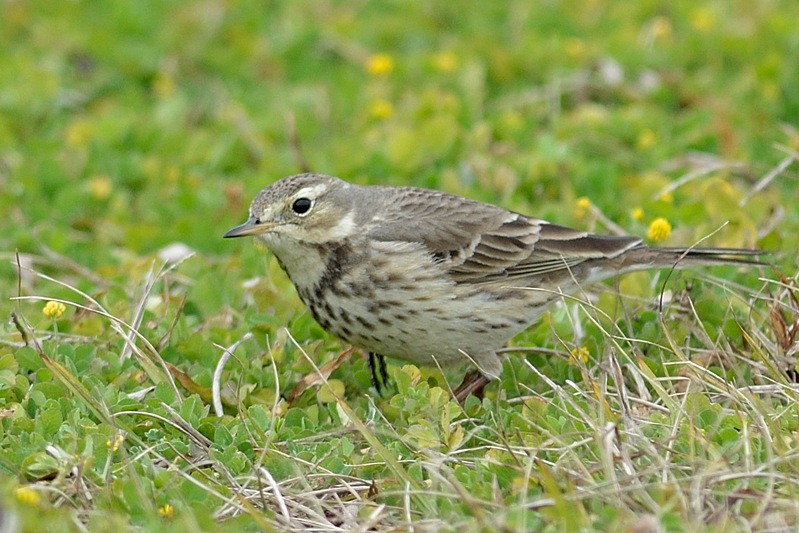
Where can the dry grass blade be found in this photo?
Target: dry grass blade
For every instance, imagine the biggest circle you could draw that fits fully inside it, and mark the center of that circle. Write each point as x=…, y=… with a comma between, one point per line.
x=768, y=178
x=320, y=376
x=216, y=385
x=76, y=387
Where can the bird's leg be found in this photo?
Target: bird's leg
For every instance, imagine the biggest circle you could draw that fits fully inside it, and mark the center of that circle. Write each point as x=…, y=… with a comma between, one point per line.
x=378, y=371
x=381, y=361
x=473, y=383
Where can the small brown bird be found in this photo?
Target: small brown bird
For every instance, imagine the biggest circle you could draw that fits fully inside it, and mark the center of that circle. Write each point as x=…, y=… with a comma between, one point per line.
x=434, y=278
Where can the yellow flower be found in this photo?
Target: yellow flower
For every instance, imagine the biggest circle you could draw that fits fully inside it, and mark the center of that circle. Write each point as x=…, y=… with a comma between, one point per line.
x=172, y=173
x=114, y=445
x=28, y=495
x=166, y=510
x=53, y=309
x=381, y=109
x=637, y=214
x=79, y=133
x=100, y=187
x=591, y=114
x=647, y=139
x=702, y=19
x=164, y=85
x=575, y=48
x=379, y=64
x=770, y=90
x=666, y=197
x=583, y=205
x=445, y=62
x=661, y=28
x=659, y=230
x=579, y=354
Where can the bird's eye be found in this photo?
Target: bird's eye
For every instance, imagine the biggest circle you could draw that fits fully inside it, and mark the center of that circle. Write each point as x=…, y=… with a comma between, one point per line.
x=301, y=206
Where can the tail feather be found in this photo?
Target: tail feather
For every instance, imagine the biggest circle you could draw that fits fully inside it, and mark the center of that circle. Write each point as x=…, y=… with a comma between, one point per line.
x=642, y=257
x=741, y=256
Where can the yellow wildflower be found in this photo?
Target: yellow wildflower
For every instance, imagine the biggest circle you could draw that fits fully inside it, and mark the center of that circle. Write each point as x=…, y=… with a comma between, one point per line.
x=702, y=19
x=770, y=90
x=575, y=48
x=659, y=230
x=100, y=187
x=646, y=140
x=28, y=495
x=379, y=64
x=445, y=62
x=591, y=114
x=166, y=510
x=381, y=109
x=53, y=309
x=666, y=197
x=172, y=173
x=579, y=354
x=637, y=214
x=661, y=28
x=164, y=85
x=79, y=133
x=114, y=445
x=583, y=205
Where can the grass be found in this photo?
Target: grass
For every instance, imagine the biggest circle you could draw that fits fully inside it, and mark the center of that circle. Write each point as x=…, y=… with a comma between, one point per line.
x=133, y=135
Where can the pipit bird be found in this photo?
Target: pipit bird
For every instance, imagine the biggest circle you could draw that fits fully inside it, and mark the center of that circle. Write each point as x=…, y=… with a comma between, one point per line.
x=433, y=278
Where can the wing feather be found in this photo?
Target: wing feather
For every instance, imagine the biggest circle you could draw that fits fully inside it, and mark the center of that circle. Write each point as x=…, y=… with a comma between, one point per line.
x=480, y=243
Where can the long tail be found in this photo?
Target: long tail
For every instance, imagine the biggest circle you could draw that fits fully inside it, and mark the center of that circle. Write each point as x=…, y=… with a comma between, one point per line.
x=643, y=257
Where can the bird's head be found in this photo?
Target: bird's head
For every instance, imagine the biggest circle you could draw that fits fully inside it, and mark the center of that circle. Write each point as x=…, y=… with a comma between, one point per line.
x=310, y=208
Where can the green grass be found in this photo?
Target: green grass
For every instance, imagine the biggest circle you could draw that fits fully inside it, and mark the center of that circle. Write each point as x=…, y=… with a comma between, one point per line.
x=126, y=128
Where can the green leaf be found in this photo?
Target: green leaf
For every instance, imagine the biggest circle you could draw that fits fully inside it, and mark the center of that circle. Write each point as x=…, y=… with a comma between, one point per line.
x=48, y=420
x=28, y=359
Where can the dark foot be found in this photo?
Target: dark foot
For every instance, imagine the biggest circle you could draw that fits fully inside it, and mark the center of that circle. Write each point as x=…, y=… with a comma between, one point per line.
x=378, y=372
x=473, y=383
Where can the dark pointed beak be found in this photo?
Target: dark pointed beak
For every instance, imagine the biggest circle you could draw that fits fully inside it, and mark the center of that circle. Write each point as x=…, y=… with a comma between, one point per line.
x=251, y=227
